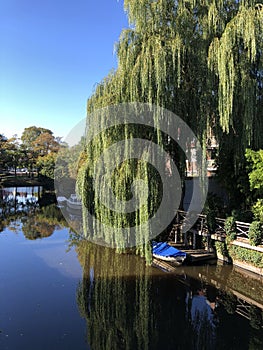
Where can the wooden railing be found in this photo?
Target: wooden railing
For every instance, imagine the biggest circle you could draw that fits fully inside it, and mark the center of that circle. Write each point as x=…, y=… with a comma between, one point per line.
x=242, y=229
x=200, y=226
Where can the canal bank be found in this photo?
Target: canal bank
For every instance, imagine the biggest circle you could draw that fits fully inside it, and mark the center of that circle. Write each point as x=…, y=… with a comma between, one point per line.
x=234, y=246
x=241, y=254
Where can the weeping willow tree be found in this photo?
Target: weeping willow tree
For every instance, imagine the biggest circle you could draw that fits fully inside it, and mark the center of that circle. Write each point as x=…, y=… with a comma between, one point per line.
x=236, y=60
x=199, y=59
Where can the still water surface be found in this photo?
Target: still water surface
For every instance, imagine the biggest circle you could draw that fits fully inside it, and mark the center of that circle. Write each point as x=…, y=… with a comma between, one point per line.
x=60, y=292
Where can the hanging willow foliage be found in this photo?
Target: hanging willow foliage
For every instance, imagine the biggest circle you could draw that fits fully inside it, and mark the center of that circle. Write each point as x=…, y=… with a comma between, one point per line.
x=163, y=57
x=232, y=57
x=199, y=59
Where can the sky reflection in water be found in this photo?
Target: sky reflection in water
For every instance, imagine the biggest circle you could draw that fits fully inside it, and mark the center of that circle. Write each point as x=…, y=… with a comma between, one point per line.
x=38, y=288
x=87, y=297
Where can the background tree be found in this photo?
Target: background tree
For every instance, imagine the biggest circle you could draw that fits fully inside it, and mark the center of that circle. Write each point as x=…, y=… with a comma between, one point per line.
x=31, y=133
x=38, y=150
x=15, y=155
x=44, y=144
x=46, y=165
x=69, y=160
x=3, y=152
x=41, y=146
x=12, y=155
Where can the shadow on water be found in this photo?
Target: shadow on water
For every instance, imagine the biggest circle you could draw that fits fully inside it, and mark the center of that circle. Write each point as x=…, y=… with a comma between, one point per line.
x=128, y=305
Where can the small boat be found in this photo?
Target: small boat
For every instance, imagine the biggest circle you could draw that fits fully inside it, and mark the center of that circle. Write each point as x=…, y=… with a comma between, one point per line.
x=61, y=200
x=163, y=251
x=73, y=202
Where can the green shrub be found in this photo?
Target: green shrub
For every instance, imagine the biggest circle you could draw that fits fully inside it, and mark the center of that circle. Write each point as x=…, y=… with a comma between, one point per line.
x=246, y=255
x=230, y=228
x=221, y=248
x=258, y=210
x=255, y=233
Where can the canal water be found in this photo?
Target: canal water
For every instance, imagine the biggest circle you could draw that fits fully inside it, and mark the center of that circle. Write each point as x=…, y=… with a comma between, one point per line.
x=58, y=291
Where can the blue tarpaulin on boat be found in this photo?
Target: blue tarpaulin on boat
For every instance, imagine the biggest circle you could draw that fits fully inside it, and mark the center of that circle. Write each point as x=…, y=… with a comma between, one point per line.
x=164, y=249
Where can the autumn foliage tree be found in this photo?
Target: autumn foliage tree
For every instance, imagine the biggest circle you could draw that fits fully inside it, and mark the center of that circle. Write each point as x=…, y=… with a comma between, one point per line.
x=42, y=147
x=45, y=144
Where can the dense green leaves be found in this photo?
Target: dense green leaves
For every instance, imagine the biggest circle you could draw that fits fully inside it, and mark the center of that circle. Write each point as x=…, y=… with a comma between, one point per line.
x=230, y=227
x=255, y=160
x=200, y=59
x=255, y=174
x=255, y=233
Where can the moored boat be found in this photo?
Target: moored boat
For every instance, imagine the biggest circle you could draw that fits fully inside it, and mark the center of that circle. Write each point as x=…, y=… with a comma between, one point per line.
x=73, y=202
x=61, y=200
x=163, y=251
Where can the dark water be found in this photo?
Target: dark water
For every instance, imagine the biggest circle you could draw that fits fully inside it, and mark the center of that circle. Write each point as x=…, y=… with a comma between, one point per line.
x=60, y=292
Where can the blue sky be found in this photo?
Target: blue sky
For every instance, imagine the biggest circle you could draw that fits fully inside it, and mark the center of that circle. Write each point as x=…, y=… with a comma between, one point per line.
x=52, y=53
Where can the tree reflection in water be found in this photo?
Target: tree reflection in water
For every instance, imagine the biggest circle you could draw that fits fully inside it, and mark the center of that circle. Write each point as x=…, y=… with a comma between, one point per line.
x=130, y=306
x=114, y=298
x=42, y=222
x=30, y=211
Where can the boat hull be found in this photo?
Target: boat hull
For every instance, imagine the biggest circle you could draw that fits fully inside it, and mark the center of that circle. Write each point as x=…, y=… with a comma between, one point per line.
x=176, y=260
x=61, y=200
x=72, y=205
x=73, y=202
